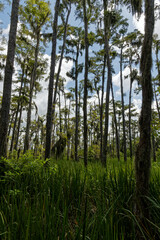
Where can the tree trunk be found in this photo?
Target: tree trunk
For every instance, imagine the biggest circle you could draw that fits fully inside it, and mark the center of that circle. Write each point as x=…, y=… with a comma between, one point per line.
x=32, y=84
x=101, y=109
x=60, y=62
x=60, y=114
x=68, y=135
x=7, y=87
x=76, y=97
x=10, y=125
x=85, y=134
x=17, y=111
x=18, y=127
x=51, y=81
x=115, y=122
x=157, y=105
x=105, y=136
x=153, y=148
x=123, y=117
x=130, y=101
x=143, y=152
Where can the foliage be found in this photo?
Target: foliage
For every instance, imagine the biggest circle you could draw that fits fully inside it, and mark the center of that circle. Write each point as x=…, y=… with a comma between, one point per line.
x=66, y=201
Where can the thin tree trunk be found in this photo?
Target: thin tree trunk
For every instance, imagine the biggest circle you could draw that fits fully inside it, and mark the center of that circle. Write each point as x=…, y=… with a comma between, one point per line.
x=153, y=148
x=68, y=135
x=51, y=81
x=130, y=101
x=123, y=117
x=101, y=109
x=10, y=125
x=60, y=116
x=113, y=132
x=143, y=152
x=18, y=127
x=115, y=122
x=109, y=80
x=17, y=111
x=7, y=87
x=156, y=101
x=76, y=97
x=60, y=62
x=157, y=61
x=32, y=84
x=85, y=134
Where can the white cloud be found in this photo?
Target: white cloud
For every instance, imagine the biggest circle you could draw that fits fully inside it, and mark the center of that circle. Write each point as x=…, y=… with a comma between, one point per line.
x=66, y=67
x=6, y=30
x=139, y=23
x=137, y=103
x=42, y=97
x=126, y=81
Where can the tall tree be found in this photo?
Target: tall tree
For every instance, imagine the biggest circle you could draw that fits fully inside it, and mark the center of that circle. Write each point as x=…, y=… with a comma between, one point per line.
x=85, y=82
x=74, y=47
x=143, y=158
x=107, y=22
x=76, y=97
x=122, y=100
x=132, y=54
x=51, y=81
x=65, y=23
x=4, y=120
x=115, y=123
x=36, y=14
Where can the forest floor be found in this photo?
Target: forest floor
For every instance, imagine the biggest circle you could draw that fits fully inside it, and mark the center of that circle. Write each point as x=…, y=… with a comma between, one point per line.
x=63, y=200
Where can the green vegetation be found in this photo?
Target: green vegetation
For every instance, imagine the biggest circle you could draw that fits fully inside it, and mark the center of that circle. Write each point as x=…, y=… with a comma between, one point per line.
x=64, y=200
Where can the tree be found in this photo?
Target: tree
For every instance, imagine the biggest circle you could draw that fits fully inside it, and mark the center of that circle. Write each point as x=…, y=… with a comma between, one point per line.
x=65, y=23
x=85, y=82
x=36, y=15
x=106, y=26
x=121, y=44
x=143, y=152
x=51, y=81
x=4, y=120
x=115, y=123
x=111, y=19
x=75, y=46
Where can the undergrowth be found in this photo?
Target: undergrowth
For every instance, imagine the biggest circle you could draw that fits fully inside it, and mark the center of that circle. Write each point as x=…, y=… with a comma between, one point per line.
x=63, y=200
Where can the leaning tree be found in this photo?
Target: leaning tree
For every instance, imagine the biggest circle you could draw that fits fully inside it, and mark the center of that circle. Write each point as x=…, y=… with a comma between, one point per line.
x=4, y=119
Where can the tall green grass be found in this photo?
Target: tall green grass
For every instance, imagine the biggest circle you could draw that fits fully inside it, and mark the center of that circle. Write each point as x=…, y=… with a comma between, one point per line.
x=66, y=201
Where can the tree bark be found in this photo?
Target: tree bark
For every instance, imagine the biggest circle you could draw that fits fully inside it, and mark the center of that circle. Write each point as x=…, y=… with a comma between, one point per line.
x=105, y=136
x=10, y=124
x=7, y=87
x=18, y=127
x=143, y=152
x=123, y=117
x=60, y=114
x=130, y=101
x=76, y=97
x=115, y=122
x=85, y=134
x=51, y=81
x=102, y=108
x=60, y=62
